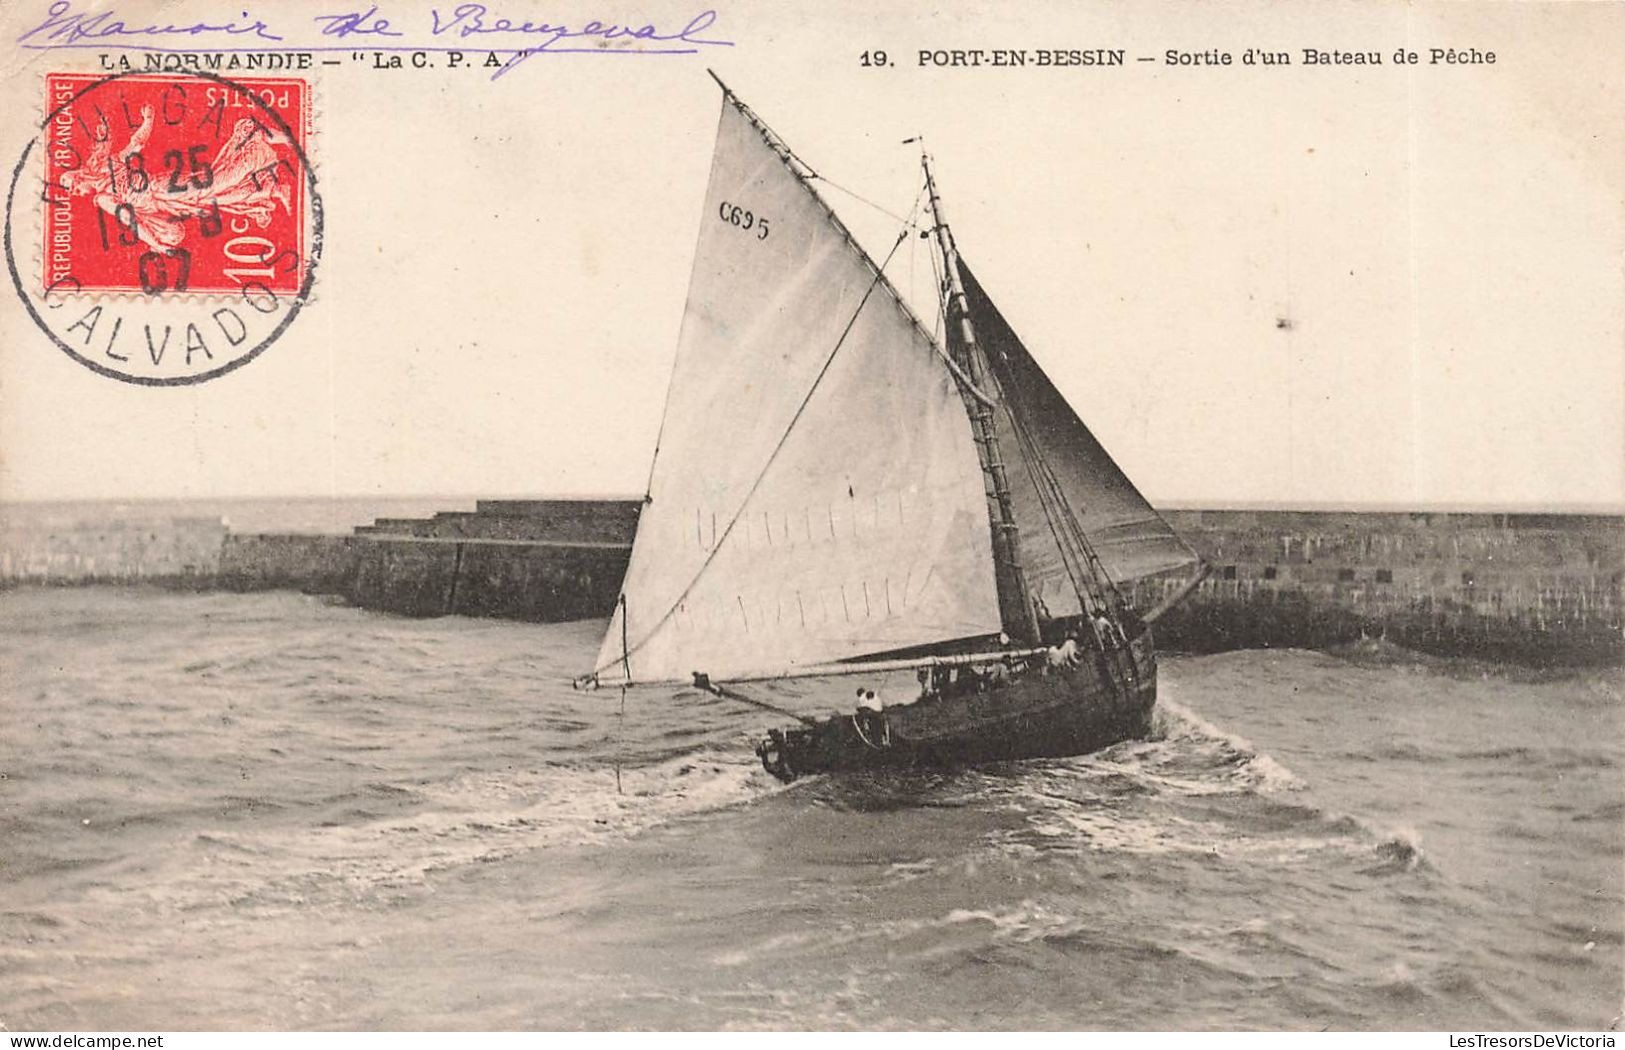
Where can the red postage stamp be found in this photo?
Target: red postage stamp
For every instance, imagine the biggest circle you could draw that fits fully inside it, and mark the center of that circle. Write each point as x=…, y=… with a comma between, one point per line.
x=172, y=184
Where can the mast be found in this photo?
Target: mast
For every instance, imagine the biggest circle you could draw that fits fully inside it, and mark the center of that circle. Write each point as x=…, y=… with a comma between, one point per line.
x=868, y=442
x=1015, y=607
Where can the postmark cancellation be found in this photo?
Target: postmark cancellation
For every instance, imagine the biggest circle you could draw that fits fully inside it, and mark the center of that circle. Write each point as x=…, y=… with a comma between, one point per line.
x=176, y=219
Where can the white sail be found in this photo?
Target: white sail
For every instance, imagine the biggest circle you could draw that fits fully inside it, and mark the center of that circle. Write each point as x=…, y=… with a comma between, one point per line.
x=816, y=495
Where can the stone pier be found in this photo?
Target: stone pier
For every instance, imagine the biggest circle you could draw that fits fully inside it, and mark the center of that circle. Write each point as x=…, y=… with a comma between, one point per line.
x=1541, y=589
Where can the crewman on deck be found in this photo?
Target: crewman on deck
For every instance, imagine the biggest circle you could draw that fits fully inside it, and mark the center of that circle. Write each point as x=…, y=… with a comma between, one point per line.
x=1106, y=631
x=870, y=720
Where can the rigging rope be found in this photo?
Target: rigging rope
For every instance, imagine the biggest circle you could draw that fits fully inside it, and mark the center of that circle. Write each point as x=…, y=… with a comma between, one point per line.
x=911, y=223
x=832, y=184
x=620, y=739
x=704, y=682
x=772, y=456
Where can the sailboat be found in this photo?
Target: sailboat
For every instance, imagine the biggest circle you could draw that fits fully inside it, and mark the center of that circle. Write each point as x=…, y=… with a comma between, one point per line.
x=839, y=497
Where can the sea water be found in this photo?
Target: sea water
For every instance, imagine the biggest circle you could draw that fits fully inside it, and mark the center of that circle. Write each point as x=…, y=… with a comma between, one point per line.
x=271, y=811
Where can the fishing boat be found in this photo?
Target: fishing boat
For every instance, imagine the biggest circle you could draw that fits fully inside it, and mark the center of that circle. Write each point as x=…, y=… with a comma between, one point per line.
x=841, y=496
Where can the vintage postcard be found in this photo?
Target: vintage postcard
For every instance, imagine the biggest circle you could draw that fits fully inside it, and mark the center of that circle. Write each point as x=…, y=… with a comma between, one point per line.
x=786, y=516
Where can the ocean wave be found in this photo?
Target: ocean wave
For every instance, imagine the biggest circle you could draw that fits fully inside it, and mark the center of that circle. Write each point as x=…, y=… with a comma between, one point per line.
x=1561, y=758
x=1339, y=860
x=1192, y=789
x=442, y=827
x=1189, y=755
x=1397, y=851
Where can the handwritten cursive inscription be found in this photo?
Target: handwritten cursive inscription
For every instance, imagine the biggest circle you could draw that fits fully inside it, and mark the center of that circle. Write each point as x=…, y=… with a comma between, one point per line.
x=475, y=20
x=357, y=23
x=63, y=27
x=468, y=25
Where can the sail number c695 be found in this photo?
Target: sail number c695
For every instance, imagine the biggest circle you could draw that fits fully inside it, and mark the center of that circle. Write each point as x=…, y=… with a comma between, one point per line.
x=734, y=215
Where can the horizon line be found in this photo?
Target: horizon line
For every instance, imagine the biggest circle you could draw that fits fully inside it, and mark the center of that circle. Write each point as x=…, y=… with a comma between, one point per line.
x=1215, y=504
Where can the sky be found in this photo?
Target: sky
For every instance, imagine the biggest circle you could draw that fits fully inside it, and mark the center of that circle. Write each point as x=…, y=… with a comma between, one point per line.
x=1301, y=285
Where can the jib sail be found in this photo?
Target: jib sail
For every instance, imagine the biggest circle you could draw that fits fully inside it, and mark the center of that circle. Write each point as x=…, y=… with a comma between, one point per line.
x=1052, y=453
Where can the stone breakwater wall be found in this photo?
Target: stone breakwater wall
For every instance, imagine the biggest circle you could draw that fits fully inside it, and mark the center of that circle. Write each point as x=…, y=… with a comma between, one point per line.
x=538, y=560
x=316, y=564
x=125, y=546
x=1541, y=589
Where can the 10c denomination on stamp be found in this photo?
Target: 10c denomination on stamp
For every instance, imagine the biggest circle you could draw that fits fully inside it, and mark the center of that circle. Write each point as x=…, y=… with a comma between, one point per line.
x=174, y=184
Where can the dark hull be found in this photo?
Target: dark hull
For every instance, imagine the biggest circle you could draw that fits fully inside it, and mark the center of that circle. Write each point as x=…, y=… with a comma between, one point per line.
x=1044, y=712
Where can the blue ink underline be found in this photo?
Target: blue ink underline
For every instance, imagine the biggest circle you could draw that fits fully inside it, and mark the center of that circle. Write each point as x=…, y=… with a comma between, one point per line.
x=543, y=50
